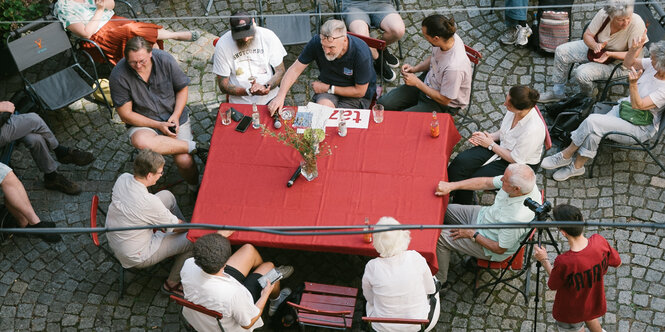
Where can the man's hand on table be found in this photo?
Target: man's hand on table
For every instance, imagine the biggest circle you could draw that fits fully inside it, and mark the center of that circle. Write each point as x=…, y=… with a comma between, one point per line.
x=275, y=105
x=444, y=188
x=462, y=233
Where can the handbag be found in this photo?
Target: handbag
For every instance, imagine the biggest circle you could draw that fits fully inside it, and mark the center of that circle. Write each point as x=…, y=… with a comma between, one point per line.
x=636, y=117
x=105, y=89
x=590, y=54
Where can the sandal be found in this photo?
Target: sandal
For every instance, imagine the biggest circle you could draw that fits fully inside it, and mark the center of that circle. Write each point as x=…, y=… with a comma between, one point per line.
x=195, y=35
x=175, y=290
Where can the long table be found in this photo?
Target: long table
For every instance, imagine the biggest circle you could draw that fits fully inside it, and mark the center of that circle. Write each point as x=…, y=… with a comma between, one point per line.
x=389, y=169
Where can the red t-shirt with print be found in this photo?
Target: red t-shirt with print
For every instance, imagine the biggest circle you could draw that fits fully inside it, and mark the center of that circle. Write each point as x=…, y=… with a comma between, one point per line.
x=578, y=279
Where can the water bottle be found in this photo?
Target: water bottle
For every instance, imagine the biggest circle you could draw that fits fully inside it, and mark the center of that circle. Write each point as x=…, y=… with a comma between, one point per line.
x=341, y=126
x=434, y=126
x=256, y=118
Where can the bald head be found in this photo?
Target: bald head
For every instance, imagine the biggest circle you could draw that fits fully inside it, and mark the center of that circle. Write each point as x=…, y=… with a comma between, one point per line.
x=521, y=177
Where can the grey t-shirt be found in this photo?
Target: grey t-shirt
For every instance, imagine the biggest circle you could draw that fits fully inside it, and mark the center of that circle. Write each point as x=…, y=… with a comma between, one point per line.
x=154, y=99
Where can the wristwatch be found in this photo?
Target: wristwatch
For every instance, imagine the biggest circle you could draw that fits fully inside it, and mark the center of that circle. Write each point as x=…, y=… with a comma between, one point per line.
x=474, y=236
x=331, y=90
x=249, y=92
x=491, y=146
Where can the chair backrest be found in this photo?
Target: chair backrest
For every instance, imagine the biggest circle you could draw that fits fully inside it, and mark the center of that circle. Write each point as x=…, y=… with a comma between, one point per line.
x=181, y=301
x=474, y=56
x=514, y=261
x=291, y=29
x=548, y=139
x=93, y=218
x=39, y=45
x=378, y=44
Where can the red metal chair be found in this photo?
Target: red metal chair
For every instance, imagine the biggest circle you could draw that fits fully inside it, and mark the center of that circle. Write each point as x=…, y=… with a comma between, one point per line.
x=327, y=306
x=474, y=57
x=422, y=322
x=214, y=314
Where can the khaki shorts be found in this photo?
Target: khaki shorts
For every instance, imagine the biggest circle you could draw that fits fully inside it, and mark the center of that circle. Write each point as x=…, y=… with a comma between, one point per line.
x=4, y=170
x=184, y=133
x=567, y=327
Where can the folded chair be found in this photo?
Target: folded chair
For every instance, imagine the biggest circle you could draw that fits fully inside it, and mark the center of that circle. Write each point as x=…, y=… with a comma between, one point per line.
x=292, y=28
x=326, y=306
x=42, y=46
x=187, y=304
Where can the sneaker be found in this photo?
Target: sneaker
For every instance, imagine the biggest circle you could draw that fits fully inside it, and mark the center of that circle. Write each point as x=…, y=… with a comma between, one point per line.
x=388, y=74
x=523, y=34
x=50, y=238
x=389, y=59
x=555, y=161
x=550, y=97
x=195, y=35
x=510, y=36
x=77, y=157
x=285, y=270
x=568, y=172
x=202, y=153
x=274, y=304
x=62, y=184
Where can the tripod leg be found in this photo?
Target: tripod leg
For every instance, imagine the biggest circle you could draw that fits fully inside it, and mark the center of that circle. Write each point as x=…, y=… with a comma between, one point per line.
x=553, y=242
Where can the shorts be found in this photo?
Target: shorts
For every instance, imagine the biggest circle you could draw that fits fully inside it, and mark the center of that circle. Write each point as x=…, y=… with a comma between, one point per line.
x=343, y=102
x=251, y=282
x=184, y=133
x=358, y=10
x=4, y=170
x=567, y=327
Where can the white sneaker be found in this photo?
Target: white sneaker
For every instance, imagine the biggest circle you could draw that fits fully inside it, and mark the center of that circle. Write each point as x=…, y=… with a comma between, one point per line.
x=568, y=172
x=550, y=97
x=274, y=304
x=510, y=36
x=523, y=34
x=555, y=161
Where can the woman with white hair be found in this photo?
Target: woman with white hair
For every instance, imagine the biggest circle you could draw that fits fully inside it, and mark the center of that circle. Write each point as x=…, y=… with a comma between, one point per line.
x=647, y=93
x=399, y=284
x=606, y=40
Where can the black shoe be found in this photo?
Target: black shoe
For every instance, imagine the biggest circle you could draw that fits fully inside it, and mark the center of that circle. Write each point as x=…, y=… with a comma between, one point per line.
x=50, y=238
x=470, y=263
x=388, y=74
x=202, y=153
x=77, y=157
x=62, y=184
x=390, y=59
x=445, y=287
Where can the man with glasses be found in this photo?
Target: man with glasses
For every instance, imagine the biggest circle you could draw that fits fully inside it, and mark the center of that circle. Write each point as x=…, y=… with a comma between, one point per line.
x=346, y=75
x=447, y=73
x=248, y=62
x=150, y=94
x=132, y=205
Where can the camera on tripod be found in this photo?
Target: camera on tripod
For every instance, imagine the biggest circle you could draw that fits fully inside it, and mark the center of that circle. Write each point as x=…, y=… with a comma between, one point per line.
x=539, y=209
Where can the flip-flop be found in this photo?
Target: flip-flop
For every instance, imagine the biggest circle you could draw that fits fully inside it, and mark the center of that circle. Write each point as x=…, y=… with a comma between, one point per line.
x=175, y=290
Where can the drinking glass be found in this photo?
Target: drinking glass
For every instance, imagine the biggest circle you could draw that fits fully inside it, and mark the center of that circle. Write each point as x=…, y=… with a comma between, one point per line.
x=287, y=113
x=226, y=117
x=377, y=111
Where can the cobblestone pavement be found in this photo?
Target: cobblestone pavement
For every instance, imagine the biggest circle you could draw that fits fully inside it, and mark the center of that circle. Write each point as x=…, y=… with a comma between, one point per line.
x=73, y=285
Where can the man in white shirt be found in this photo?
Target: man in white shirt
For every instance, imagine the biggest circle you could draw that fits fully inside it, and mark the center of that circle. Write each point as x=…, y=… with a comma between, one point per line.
x=229, y=284
x=516, y=184
x=447, y=84
x=132, y=205
x=248, y=62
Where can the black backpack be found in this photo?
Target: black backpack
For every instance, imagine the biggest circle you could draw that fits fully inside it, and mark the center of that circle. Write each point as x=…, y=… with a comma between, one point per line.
x=565, y=116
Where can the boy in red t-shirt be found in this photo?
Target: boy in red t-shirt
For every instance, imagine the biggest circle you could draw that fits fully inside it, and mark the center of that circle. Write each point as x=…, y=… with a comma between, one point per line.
x=578, y=275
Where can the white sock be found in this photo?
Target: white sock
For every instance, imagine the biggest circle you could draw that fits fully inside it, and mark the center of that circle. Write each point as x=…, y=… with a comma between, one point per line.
x=191, y=146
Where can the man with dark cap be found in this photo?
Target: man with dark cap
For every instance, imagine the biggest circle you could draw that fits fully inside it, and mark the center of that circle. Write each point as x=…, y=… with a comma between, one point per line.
x=248, y=62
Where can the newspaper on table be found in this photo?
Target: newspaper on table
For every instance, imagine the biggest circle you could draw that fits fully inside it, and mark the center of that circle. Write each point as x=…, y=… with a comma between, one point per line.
x=318, y=116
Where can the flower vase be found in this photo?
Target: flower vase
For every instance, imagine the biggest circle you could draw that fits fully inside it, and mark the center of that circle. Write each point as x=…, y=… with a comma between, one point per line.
x=308, y=169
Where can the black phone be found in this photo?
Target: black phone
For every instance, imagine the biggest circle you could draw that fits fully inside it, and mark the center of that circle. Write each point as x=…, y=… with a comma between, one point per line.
x=172, y=129
x=243, y=124
x=236, y=115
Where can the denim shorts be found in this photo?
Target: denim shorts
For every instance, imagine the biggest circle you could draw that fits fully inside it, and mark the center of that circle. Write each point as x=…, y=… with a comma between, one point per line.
x=358, y=10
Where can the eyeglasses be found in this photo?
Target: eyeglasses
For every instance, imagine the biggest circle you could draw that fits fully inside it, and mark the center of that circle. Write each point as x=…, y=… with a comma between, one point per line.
x=140, y=62
x=330, y=38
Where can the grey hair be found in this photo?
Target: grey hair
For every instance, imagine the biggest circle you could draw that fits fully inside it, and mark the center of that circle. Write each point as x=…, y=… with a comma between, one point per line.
x=521, y=176
x=657, y=51
x=391, y=243
x=619, y=8
x=333, y=27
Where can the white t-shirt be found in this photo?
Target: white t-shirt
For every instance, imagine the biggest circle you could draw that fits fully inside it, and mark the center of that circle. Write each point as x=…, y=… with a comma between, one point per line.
x=649, y=86
x=133, y=205
x=256, y=60
x=525, y=140
x=450, y=73
x=397, y=286
x=223, y=294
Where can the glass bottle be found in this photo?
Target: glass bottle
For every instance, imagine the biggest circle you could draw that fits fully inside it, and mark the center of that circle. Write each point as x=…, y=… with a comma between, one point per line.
x=434, y=126
x=341, y=126
x=367, y=236
x=256, y=118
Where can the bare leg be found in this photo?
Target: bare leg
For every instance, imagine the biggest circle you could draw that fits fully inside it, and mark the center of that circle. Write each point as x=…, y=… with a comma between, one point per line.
x=326, y=102
x=17, y=201
x=393, y=28
x=187, y=168
x=177, y=35
x=148, y=139
x=580, y=161
x=245, y=259
x=594, y=325
x=569, y=151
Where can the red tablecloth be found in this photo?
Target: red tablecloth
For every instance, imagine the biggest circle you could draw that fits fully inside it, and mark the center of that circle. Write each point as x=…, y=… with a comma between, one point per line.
x=389, y=169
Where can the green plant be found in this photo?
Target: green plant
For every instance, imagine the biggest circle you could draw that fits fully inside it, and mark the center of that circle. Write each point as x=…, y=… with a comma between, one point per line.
x=14, y=11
